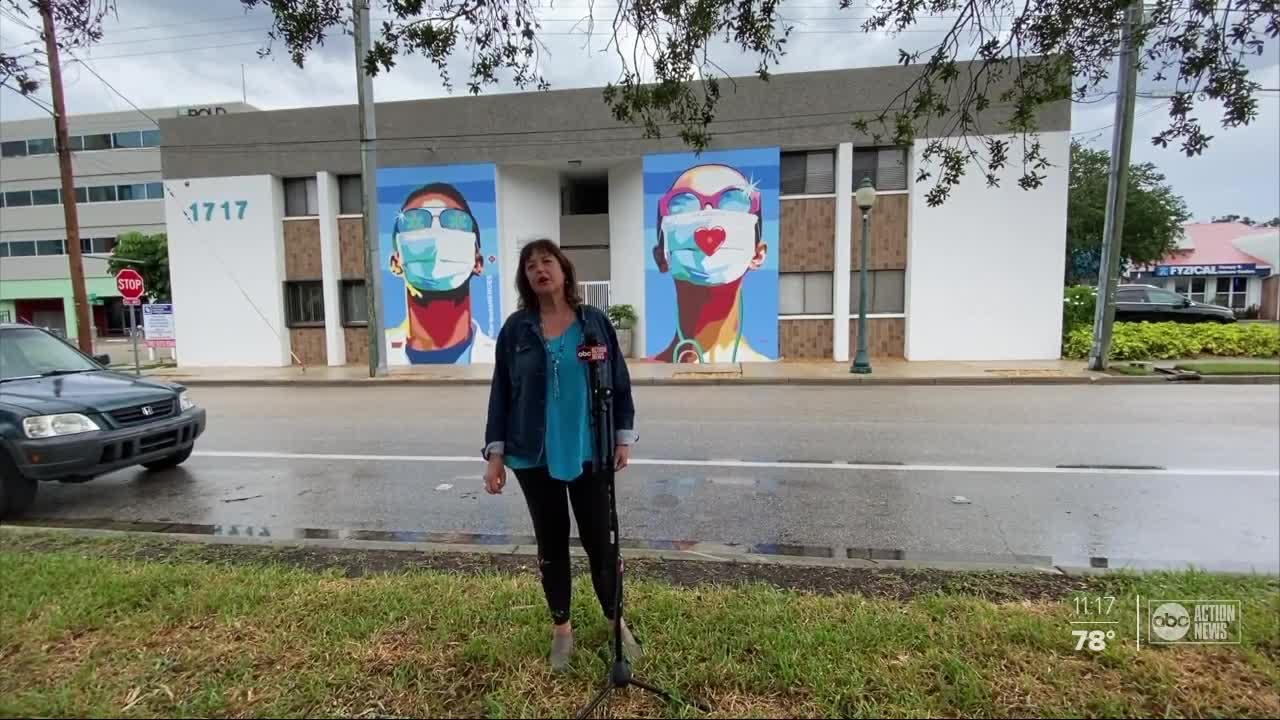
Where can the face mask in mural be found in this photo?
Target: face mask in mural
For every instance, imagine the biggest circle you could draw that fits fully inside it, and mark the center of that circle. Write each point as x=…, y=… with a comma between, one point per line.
x=710, y=247
x=437, y=259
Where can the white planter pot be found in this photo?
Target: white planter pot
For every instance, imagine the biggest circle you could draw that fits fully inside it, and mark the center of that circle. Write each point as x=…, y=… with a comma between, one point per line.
x=624, y=341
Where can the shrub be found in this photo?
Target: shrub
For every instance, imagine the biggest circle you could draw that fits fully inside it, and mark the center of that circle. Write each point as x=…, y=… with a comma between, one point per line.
x=1078, y=303
x=1168, y=341
x=623, y=317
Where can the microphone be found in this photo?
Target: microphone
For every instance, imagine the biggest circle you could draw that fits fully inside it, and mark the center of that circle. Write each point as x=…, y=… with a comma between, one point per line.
x=592, y=351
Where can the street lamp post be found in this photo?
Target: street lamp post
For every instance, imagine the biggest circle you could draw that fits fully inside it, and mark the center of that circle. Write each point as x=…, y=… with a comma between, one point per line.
x=865, y=196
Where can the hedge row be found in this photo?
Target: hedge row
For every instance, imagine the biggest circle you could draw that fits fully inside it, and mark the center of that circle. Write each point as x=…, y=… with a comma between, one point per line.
x=1169, y=340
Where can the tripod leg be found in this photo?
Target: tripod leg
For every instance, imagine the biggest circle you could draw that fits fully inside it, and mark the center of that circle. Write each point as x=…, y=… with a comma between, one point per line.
x=595, y=701
x=653, y=689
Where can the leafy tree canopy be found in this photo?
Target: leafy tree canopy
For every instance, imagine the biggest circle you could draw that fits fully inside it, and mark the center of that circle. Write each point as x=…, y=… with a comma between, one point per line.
x=1027, y=54
x=149, y=255
x=1153, y=214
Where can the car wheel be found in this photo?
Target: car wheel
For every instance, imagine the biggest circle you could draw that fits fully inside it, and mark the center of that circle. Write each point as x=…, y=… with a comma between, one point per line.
x=16, y=492
x=171, y=461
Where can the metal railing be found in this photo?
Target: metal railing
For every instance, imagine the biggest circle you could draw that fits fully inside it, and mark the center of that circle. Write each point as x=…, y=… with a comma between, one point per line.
x=595, y=292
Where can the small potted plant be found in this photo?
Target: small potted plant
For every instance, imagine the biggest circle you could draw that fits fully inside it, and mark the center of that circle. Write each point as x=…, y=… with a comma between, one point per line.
x=623, y=318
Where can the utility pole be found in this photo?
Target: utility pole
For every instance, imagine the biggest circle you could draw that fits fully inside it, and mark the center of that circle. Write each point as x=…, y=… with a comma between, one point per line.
x=1117, y=187
x=84, y=330
x=368, y=191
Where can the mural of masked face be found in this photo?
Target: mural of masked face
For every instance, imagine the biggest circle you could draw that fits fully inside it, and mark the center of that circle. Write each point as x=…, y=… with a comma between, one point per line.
x=710, y=227
x=435, y=244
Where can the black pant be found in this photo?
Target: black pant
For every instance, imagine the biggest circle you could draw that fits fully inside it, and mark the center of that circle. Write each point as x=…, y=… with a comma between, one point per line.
x=590, y=498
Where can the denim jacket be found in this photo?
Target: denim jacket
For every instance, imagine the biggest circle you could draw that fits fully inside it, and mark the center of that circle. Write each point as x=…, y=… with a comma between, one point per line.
x=518, y=395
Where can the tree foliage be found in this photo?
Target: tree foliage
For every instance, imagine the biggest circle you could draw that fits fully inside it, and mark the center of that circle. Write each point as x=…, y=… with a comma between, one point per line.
x=149, y=255
x=1246, y=220
x=1026, y=55
x=78, y=23
x=1153, y=214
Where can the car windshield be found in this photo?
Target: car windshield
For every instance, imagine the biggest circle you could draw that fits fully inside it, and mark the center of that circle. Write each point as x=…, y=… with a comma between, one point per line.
x=26, y=352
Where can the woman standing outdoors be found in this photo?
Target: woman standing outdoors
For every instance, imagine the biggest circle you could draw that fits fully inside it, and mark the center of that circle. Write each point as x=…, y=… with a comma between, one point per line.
x=539, y=425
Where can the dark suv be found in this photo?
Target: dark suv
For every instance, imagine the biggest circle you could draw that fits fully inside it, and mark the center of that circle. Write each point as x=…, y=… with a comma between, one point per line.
x=1148, y=303
x=64, y=416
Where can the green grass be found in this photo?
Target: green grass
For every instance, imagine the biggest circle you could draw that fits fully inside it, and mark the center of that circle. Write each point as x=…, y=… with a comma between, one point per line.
x=87, y=635
x=1239, y=367
x=1127, y=369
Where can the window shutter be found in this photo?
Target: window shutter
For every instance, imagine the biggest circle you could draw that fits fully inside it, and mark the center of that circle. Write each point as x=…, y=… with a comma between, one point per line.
x=820, y=175
x=891, y=169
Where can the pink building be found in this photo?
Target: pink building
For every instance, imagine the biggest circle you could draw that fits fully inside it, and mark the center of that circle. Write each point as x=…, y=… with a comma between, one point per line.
x=1228, y=264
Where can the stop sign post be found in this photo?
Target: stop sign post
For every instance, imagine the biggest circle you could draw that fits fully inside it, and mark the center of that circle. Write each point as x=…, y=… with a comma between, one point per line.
x=129, y=284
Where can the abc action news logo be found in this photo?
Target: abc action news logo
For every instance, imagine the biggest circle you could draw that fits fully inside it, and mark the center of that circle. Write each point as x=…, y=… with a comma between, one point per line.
x=1194, y=622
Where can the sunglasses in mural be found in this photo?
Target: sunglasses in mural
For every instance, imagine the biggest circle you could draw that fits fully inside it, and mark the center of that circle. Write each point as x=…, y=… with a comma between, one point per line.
x=732, y=199
x=422, y=219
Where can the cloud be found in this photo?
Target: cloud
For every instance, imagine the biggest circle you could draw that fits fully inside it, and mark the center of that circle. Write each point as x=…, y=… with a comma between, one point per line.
x=158, y=54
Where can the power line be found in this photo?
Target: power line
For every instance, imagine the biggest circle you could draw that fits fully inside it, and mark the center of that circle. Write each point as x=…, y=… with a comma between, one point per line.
x=178, y=50
x=89, y=67
x=30, y=98
x=182, y=37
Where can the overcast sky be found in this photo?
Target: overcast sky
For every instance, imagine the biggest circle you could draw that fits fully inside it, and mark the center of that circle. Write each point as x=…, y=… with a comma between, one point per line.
x=156, y=54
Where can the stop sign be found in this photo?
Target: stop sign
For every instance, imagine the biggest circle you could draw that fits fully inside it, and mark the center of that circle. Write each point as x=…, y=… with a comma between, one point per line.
x=129, y=283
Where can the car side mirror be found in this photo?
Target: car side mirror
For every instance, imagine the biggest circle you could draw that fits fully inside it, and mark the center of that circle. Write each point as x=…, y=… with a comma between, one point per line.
x=102, y=359
x=1186, y=302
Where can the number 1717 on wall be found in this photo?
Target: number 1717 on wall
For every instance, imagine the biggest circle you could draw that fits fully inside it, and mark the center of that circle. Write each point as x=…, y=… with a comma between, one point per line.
x=209, y=208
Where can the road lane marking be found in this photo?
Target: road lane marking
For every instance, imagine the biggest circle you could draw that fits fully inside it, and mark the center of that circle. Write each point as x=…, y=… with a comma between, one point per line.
x=835, y=465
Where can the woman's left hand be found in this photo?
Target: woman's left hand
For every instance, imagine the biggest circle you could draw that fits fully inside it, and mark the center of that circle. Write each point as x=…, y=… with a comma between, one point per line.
x=621, y=456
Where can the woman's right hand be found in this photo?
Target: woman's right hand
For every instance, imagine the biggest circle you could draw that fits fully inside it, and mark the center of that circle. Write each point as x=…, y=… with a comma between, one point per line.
x=495, y=475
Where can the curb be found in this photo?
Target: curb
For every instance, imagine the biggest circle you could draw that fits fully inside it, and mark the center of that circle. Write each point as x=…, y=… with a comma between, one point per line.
x=744, y=381
x=703, y=552
x=706, y=552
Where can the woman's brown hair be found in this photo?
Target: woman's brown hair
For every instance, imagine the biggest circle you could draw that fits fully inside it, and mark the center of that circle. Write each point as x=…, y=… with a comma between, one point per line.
x=528, y=298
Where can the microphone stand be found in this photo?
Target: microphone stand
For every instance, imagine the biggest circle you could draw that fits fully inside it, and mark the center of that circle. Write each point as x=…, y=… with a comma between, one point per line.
x=602, y=465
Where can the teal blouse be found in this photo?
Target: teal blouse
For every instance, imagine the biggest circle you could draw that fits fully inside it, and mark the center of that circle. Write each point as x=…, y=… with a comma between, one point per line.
x=567, y=445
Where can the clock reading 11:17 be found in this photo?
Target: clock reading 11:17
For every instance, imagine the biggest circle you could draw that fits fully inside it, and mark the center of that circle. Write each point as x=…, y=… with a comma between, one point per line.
x=226, y=210
x=1102, y=605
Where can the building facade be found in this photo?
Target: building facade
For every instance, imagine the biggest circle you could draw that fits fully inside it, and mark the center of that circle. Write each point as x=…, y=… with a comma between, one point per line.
x=116, y=163
x=746, y=252
x=1229, y=264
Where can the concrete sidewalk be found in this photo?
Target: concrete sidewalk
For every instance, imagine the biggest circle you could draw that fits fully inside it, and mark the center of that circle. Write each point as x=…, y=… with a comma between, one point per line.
x=886, y=371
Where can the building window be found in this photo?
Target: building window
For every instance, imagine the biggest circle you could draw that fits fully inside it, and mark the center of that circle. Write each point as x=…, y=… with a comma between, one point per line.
x=150, y=138
x=102, y=193
x=304, y=303
x=100, y=141
x=1193, y=288
x=13, y=148
x=1231, y=292
x=44, y=197
x=155, y=191
x=41, y=146
x=349, y=190
x=75, y=142
x=98, y=245
x=50, y=247
x=809, y=173
x=584, y=195
x=887, y=167
x=17, y=198
x=886, y=292
x=22, y=248
x=804, y=293
x=300, y=198
x=136, y=191
x=355, y=306
x=128, y=139
x=82, y=195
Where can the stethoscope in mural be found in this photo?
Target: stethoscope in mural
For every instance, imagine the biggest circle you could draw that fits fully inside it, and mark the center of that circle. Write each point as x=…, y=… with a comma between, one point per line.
x=691, y=345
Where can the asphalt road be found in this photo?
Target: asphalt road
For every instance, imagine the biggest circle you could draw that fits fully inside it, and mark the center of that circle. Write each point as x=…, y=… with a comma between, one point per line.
x=1176, y=475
